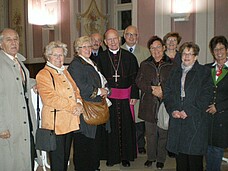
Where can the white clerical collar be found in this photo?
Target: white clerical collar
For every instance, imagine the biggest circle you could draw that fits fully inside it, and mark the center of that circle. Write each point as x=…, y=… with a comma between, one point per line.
x=115, y=51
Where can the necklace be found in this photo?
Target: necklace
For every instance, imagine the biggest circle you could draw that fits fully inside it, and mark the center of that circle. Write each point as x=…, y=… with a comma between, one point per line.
x=116, y=76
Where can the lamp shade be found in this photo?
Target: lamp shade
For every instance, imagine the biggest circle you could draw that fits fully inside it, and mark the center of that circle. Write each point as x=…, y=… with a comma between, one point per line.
x=42, y=12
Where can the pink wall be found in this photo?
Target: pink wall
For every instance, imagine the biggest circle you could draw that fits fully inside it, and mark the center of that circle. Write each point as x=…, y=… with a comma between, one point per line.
x=146, y=20
x=65, y=25
x=185, y=28
x=221, y=18
x=146, y=25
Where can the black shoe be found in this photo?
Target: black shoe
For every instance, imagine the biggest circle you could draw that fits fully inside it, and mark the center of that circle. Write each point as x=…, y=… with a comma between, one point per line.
x=125, y=163
x=148, y=163
x=109, y=164
x=171, y=155
x=159, y=165
x=142, y=151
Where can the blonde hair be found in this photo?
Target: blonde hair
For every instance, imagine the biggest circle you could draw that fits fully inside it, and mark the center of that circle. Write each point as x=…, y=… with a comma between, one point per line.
x=80, y=41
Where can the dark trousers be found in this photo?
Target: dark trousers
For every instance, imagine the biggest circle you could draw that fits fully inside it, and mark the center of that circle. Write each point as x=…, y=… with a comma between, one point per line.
x=60, y=157
x=140, y=134
x=186, y=162
x=86, y=153
x=33, y=151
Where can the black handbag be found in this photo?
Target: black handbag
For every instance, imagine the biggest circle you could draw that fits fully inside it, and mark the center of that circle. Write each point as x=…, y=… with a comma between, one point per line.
x=45, y=138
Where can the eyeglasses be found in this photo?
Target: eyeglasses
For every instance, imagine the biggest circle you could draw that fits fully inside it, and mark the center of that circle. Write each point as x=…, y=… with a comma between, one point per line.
x=219, y=49
x=188, y=54
x=55, y=55
x=155, y=48
x=172, y=39
x=85, y=47
x=130, y=35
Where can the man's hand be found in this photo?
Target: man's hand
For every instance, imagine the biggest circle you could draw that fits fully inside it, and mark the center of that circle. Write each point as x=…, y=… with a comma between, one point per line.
x=5, y=134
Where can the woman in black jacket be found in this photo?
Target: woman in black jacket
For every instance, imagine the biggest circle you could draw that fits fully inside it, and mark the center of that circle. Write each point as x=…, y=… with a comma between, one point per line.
x=187, y=94
x=89, y=140
x=218, y=122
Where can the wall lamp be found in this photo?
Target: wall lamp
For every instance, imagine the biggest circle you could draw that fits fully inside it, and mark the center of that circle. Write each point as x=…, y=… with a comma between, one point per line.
x=43, y=12
x=181, y=10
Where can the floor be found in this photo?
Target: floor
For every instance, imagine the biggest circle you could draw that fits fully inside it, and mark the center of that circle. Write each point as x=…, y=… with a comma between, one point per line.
x=138, y=165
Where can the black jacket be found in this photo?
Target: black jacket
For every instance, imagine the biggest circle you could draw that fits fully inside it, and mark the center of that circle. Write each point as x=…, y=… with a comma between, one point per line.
x=218, y=123
x=189, y=135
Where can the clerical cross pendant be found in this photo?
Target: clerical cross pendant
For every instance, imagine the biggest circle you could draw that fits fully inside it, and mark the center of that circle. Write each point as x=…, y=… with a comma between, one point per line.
x=116, y=76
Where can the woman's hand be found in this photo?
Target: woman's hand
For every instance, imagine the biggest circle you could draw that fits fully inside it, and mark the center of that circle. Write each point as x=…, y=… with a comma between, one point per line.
x=104, y=93
x=179, y=115
x=78, y=110
x=157, y=91
x=211, y=109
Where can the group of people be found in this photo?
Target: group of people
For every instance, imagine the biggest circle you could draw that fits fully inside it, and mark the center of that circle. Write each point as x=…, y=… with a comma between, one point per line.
x=159, y=93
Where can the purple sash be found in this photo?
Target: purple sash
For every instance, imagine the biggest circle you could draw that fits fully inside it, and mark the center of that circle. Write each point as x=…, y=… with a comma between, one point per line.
x=121, y=94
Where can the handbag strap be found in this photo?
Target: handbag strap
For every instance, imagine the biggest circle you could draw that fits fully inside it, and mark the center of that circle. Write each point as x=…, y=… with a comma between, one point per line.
x=38, y=107
x=54, y=88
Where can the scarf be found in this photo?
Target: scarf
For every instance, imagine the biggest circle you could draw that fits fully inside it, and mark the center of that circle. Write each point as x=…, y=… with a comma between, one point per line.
x=59, y=70
x=185, y=70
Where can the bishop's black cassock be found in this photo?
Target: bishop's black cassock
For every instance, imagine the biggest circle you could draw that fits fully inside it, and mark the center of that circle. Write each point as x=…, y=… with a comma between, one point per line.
x=122, y=139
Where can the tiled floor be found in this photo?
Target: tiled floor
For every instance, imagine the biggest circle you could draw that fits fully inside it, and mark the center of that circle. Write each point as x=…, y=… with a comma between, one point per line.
x=138, y=165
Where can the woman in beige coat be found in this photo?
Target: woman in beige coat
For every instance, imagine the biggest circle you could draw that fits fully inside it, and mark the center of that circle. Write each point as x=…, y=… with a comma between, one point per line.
x=58, y=91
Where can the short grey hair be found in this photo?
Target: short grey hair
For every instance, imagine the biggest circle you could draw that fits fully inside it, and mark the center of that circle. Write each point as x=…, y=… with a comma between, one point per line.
x=2, y=34
x=52, y=45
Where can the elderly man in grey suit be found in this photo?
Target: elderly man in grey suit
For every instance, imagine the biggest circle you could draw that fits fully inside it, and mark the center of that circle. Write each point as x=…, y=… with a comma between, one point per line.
x=141, y=53
x=17, y=116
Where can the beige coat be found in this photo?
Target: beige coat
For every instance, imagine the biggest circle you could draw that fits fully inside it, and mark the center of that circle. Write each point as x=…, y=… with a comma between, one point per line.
x=62, y=97
x=15, y=151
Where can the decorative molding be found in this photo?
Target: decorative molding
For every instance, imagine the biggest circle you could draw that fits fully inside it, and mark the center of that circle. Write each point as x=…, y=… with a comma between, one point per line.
x=92, y=20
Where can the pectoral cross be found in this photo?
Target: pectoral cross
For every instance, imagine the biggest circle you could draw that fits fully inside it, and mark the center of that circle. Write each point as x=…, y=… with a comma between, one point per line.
x=116, y=76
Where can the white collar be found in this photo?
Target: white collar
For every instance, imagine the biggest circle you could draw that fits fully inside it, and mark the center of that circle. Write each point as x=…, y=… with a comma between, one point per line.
x=59, y=70
x=133, y=47
x=10, y=56
x=215, y=63
x=88, y=60
x=115, y=51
